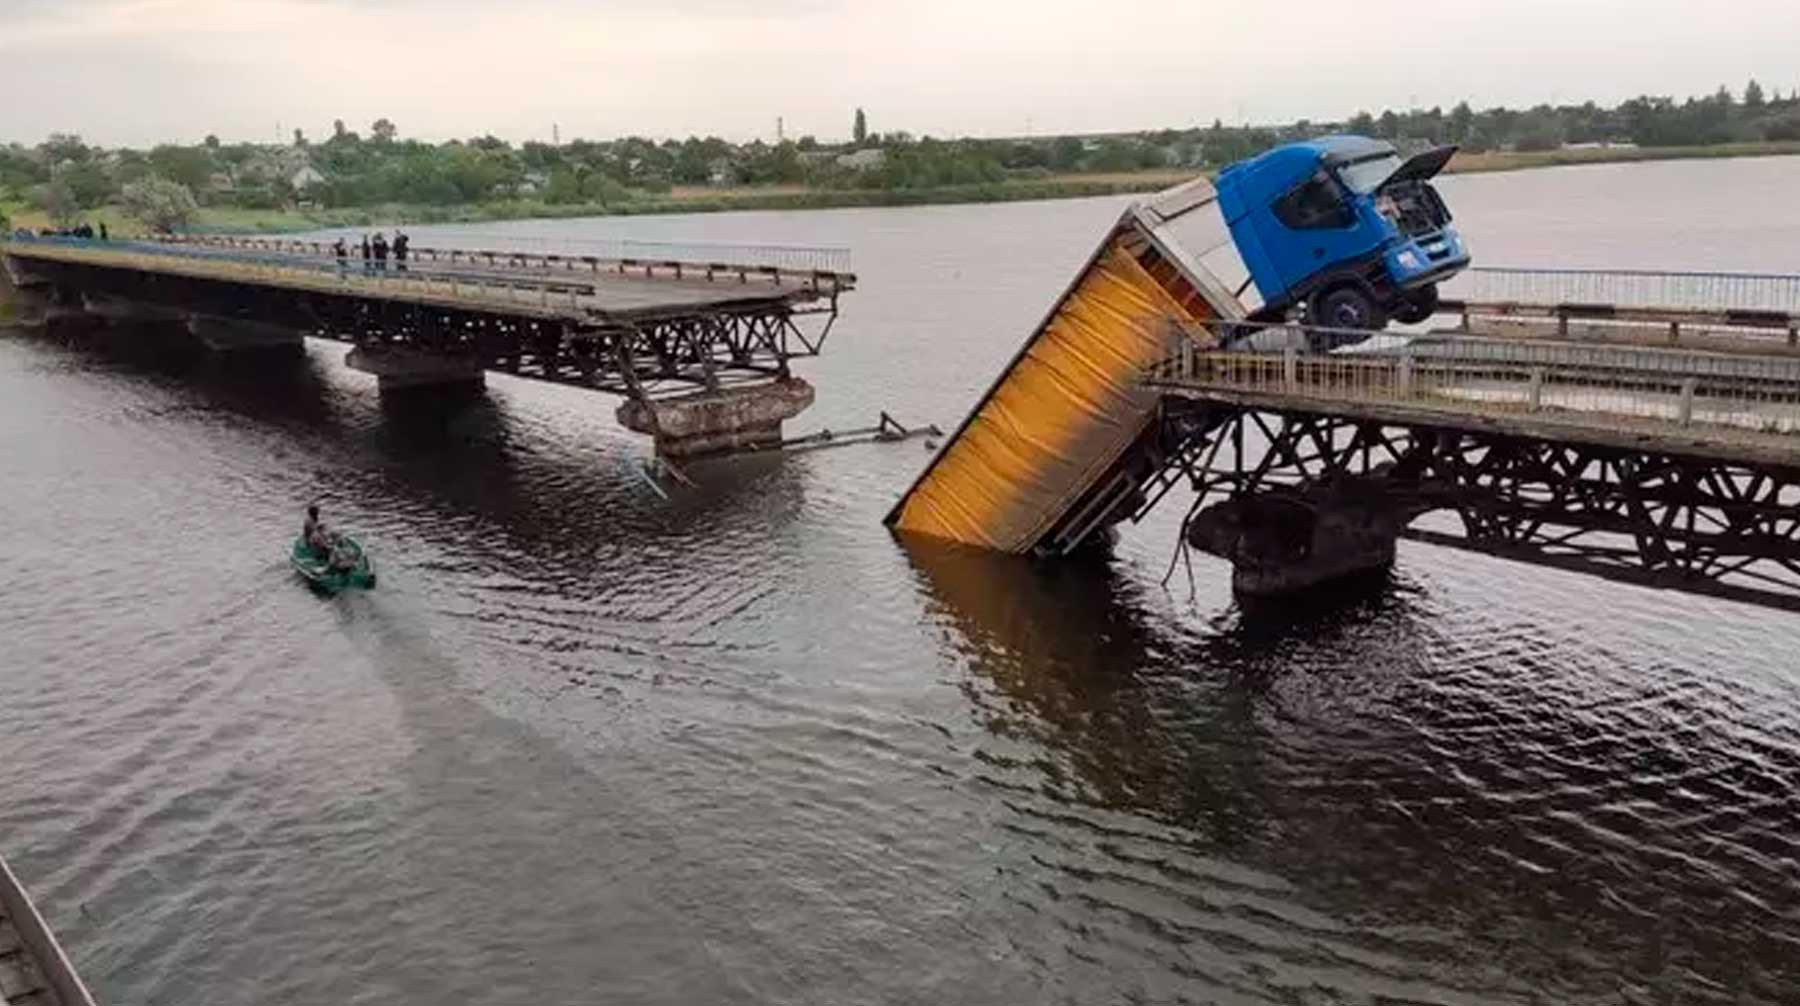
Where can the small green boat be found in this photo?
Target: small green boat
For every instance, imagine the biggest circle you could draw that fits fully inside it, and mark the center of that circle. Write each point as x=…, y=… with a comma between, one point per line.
x=315, y=567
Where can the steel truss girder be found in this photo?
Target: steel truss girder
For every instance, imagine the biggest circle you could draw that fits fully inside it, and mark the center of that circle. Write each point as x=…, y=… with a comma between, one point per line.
x=650, y=356
x=1688, y=522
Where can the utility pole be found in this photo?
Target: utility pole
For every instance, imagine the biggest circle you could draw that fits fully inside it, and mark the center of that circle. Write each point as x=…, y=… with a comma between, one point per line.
x=555, y=135
x=780, y=130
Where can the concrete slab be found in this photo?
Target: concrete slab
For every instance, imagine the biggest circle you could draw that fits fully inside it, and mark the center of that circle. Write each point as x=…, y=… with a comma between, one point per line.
x=719, y=421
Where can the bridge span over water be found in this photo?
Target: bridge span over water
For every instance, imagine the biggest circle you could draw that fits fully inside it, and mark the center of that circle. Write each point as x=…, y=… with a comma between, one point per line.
x=698, y=339
x=1639, y=426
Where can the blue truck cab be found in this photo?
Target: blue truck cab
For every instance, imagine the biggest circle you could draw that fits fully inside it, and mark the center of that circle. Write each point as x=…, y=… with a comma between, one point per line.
x=1343, y=227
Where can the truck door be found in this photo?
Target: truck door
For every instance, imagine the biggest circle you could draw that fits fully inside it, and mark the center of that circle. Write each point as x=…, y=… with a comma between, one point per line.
x=1318, y=229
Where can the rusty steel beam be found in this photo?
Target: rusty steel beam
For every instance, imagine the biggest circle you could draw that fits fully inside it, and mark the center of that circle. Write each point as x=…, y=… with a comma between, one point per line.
x=1728, y=528
x=707, y=345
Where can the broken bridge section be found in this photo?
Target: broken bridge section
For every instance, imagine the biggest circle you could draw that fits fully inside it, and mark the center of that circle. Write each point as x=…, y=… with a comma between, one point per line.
x=1662, y=448
x=1052, y=446
x=700, y=343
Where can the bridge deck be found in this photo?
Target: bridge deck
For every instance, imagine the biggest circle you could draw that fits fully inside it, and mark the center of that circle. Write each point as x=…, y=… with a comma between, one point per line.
x=585, y=295
x=1728, y=408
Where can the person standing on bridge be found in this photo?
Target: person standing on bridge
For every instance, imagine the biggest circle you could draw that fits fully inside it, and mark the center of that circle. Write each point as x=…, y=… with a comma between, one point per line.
x=368, y=255
x=342, y=251
x=401, y=241
x=381, y=249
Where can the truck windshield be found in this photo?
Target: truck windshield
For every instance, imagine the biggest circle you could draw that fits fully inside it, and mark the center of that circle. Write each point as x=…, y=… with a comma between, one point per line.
x=1366, y=176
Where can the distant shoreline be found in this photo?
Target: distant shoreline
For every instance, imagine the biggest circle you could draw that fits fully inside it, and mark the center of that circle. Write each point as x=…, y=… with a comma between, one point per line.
x=221, y=220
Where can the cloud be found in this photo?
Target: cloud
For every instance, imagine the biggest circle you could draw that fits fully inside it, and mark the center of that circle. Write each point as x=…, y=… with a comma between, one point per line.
x=144, y=70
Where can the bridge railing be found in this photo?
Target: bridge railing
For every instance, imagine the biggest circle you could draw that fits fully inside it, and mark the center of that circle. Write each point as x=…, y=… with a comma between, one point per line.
x=458, y=284
x=797, y=258
x=1590, y=385
x=1713, y=291
x=779, y=264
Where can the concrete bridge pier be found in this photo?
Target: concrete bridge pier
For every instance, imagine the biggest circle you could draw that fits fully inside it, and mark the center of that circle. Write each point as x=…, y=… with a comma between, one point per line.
x=720, y=420
x=398, y=369
x=1291, y=539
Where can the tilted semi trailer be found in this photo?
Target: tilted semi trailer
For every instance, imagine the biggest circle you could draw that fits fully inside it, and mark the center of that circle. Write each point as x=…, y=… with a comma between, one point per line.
x=1067, y=439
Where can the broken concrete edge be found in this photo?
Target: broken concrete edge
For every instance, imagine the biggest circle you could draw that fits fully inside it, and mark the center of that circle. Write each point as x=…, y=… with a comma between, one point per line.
x=1291, y=540
x=718, y=421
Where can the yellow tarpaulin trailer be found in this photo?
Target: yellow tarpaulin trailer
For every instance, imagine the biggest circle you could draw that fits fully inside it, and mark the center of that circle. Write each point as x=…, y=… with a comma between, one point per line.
x=1069, y=405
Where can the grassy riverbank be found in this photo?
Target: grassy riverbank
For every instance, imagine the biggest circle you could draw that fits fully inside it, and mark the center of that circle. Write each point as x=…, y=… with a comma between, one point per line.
x=796, y=197
x=1519, y=160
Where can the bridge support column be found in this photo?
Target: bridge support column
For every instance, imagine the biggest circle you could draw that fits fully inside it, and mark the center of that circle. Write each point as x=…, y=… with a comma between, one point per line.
x=719, y=421
x=1292, y=539
x=397, y=369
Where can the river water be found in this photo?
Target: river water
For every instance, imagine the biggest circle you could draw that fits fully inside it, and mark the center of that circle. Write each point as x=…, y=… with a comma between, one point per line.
x=585, y=745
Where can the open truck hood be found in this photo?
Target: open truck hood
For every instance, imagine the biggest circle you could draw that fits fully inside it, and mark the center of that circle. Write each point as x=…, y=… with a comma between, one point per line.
x=1421, y=167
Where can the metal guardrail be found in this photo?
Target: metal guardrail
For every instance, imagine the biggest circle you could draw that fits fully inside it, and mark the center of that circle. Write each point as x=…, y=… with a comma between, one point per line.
x=1594, y=385
x=785, y=257
x=563, y=261
x=1717, y=291
x=415, y=281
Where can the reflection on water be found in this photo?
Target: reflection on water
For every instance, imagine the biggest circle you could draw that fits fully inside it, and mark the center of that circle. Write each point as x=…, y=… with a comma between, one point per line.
x=1385, y=771
x=742, y=745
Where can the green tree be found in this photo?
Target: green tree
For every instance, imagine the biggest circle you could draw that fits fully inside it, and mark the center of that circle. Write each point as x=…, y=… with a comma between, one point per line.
x=191, y=166
x=605, y=190
x=162, y=205
x=87, y=182
x=58, y=201
x=1362, y=124
x=564, y=187
x=1540, y=130
x=383, y=130
x=62, y=147
x=1753, y=96
x=859, y=130
x=1462, y=122
x=1066, y=153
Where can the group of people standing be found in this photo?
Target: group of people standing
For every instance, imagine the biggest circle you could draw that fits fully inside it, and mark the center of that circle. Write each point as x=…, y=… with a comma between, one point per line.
x=84, y=231
x=375, y=251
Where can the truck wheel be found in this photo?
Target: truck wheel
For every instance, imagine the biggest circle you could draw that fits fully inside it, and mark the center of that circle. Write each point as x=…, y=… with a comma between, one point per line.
x=1418, y=306
x=1346, y=307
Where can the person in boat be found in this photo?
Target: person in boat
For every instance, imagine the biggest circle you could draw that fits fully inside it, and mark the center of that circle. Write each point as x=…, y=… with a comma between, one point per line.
x=338, y=551
x=314, y=532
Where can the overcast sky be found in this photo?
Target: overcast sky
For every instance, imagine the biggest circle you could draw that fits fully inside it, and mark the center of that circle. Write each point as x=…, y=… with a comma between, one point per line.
x=142, y=71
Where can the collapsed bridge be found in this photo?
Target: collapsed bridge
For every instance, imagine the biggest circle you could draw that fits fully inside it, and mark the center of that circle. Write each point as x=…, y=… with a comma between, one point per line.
x=1635, y=439
x=698, y=339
